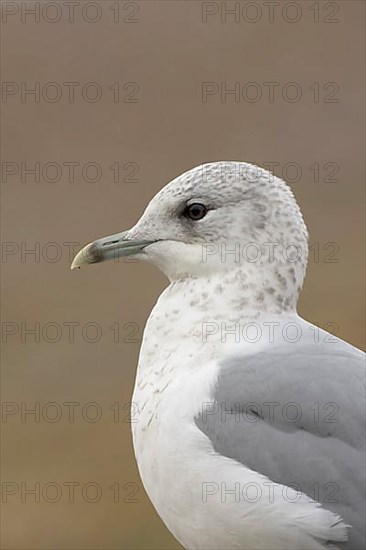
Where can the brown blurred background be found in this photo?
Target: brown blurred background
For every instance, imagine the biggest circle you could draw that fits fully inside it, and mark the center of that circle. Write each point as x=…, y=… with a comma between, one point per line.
x=156, y=128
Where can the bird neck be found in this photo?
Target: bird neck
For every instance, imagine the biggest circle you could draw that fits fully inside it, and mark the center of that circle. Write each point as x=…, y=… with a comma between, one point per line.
x=246, y=291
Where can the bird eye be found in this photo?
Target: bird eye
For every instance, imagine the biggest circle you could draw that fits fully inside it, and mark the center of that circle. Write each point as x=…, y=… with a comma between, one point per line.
x=195, y=211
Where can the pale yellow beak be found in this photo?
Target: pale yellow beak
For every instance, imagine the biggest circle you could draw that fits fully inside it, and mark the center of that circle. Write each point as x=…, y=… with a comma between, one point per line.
x=108, y=248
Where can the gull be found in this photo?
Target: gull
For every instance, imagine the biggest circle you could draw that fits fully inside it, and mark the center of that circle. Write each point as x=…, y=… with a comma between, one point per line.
x=251, y=420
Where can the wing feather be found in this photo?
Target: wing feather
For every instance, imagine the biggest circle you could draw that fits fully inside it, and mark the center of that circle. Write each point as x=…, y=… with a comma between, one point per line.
x=297, y=415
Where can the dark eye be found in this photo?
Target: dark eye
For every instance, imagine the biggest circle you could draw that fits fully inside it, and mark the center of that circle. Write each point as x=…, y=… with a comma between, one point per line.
x=195, y=211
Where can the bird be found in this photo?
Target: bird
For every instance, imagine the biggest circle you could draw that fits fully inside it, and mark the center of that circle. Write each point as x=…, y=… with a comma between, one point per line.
x=251, y=420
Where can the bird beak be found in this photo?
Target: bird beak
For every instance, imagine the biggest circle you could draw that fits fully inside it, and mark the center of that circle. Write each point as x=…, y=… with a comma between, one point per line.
x=109, y=248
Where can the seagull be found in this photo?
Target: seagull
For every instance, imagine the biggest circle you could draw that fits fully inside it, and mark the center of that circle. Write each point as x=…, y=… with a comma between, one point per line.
x=251, y=420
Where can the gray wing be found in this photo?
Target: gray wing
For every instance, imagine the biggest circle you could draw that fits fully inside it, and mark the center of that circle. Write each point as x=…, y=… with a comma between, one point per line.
x=298, y=417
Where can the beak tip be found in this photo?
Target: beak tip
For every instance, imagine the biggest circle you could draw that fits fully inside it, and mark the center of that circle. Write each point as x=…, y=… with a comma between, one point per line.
x=74, y=265
x=85, y=256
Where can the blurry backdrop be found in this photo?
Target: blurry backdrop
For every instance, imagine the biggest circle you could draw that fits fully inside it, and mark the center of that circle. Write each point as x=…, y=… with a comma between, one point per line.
x=102, y=104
